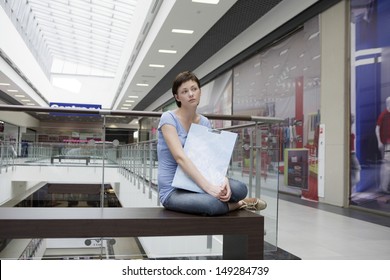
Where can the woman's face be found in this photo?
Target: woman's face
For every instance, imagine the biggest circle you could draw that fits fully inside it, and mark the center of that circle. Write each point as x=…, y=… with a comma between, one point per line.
x=188, y=94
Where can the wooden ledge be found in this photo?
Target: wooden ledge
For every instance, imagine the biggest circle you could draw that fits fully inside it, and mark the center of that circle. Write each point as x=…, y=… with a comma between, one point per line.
x=134, y=222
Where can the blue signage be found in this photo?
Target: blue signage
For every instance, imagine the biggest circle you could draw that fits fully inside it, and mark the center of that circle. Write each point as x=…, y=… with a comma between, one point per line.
x=74, y=106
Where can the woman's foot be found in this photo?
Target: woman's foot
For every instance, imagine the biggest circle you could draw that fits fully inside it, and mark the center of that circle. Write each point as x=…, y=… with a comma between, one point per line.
x=253, y=203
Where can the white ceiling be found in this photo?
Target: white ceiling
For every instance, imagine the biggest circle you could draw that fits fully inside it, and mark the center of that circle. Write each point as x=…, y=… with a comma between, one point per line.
x=96, y=34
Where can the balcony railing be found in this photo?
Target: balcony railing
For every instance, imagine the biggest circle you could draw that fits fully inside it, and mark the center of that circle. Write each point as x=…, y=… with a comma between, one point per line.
x=131, y=171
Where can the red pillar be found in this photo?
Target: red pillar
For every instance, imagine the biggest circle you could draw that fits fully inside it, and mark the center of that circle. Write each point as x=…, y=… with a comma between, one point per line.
x=299, y=110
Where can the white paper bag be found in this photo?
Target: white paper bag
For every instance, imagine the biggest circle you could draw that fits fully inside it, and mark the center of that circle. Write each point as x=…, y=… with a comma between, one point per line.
x=210, y=150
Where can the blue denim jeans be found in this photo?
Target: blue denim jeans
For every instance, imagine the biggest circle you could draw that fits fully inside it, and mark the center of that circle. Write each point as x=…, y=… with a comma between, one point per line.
x=203, y=203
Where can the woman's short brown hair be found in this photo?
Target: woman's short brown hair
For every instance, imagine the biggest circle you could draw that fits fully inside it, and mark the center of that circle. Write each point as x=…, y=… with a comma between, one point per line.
x=180, y=79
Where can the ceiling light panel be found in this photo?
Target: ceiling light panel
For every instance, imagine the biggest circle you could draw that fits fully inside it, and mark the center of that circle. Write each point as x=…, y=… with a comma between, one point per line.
x=182, y=31
x=167, y=51
x=214, y=2
x=156, y=65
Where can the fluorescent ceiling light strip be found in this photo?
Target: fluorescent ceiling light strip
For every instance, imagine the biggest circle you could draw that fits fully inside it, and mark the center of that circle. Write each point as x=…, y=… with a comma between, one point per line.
x=316, y=57
x=156, y=65
x=142, y=85
x=182, y=31
x=214, y=2
x=312, y=36
x=132, y=96
x=167, y=51
x=4, y=84
x=283, y=52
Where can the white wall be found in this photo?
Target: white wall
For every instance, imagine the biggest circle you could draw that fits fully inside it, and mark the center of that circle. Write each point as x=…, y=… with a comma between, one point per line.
x=19, y=119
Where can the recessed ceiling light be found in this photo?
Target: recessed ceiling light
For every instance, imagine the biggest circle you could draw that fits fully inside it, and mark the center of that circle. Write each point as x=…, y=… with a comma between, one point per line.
x=182, y=31
x=143, y=85
x=31, y=104
x=124, y=108
x=4, y=84
x=129, y=101
x=12, y=90
x=25, y=100
x=132, y=96
x=283, y=52
x=316, y=57
x=167, y=51
x=214, y=2
x=314, y=35
x=19, y=95
x=156, y=65
x=126, y=105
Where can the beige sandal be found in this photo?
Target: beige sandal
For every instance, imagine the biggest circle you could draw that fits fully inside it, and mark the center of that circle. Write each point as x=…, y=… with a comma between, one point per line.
x=254, y=204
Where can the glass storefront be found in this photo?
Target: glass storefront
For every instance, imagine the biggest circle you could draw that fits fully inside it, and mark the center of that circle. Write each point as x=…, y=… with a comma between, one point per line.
x=283, y=81
x=370, y=104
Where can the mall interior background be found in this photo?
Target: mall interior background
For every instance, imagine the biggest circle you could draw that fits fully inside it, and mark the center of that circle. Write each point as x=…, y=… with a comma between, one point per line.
x=331, y=66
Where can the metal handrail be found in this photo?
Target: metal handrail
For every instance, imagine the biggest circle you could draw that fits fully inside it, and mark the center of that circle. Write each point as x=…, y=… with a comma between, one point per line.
x=105, y=112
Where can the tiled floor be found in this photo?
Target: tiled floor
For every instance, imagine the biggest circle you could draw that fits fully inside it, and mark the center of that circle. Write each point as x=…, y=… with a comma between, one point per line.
x=314, y=231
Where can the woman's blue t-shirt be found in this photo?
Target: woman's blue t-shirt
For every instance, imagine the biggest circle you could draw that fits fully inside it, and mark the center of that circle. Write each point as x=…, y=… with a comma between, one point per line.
x=166, y=163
